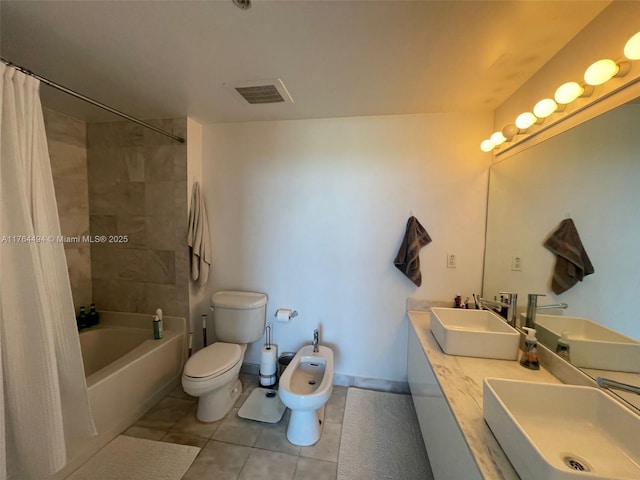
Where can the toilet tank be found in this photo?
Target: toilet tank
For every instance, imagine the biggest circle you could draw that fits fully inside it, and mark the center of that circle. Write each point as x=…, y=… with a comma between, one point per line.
x=239, y=317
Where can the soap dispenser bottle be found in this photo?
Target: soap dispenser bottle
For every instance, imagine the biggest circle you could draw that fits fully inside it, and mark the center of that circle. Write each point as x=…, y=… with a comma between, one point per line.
x=562, y=348
x=530, y=353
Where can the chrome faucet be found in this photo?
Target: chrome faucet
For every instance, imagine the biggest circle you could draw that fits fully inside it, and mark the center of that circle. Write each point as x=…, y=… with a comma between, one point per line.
x=511, y=305
x=533, y=307
x=608, y=383
x=315, y=341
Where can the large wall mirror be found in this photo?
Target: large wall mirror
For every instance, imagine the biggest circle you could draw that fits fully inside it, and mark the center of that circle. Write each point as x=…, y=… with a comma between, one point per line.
x=591, y=174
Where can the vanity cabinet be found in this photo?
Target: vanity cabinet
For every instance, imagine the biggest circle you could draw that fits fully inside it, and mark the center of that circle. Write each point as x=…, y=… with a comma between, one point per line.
x=448, y=451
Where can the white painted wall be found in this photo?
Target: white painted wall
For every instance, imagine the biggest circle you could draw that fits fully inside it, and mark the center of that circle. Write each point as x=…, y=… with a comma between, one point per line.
x=194, y=154
x=312, y=212
x=590, y=173
x=197, y=292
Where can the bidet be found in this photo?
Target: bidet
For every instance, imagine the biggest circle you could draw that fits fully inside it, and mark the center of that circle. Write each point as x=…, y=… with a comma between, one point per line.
x=305, y=387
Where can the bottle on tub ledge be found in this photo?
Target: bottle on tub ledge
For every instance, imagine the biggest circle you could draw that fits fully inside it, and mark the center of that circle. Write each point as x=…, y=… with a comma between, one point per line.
x=87, y=319
x=157, y=325
x=93, y=318
x=82, y=320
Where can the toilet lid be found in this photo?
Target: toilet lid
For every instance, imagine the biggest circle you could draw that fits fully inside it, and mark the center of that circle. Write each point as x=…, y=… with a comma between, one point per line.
x=213, y=360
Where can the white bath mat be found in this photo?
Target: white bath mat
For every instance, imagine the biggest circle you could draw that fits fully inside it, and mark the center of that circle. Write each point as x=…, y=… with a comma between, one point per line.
x=129, y=458
x=381, y=438
x=263, y=406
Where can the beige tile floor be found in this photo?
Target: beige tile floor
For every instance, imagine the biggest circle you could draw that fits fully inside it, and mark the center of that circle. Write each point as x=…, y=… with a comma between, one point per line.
x=235, y=448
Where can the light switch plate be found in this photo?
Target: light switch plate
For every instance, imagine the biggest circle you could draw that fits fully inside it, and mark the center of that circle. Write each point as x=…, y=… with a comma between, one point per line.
x=516, y=263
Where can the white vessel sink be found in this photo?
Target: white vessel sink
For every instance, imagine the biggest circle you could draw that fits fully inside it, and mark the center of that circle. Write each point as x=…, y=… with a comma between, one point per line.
x=474, y=333
x=590, y=345
x=561, y=432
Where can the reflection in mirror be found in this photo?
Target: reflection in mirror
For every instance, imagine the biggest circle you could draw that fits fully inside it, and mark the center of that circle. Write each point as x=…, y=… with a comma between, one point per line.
x=590, y=174
x=587, y=344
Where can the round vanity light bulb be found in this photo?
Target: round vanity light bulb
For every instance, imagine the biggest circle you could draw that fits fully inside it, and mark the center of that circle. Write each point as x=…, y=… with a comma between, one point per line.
x=497, y=138
x=510, y=131
x=525, y=120
x=568, y=92
x=600, y=72
x=487, y=145
x=632, y=48
x=544, y=108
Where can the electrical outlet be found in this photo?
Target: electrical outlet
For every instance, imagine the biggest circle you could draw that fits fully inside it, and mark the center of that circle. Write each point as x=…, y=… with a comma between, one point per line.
x=452, y=260
x=516, y=263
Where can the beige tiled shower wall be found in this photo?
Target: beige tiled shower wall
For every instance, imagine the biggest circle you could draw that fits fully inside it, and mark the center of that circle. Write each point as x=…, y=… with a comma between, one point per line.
x=137, y=189
x=66, y=138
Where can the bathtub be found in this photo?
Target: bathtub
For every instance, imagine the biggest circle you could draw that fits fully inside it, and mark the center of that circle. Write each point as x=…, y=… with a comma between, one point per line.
x=127, y=373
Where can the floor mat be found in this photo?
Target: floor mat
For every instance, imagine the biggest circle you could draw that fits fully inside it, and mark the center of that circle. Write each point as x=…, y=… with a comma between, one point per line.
x=381, y=438
x=263, y=405
x=129, y=458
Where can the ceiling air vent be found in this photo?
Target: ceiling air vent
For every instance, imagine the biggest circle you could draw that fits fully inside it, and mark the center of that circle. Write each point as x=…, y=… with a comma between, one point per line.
x=260, y=92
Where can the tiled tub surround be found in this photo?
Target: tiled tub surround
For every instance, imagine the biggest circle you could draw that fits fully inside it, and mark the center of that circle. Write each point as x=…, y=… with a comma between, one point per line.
x=236, y=448
x=122, y=389
x=67, y=142
x=138, y=189
x=460, y=379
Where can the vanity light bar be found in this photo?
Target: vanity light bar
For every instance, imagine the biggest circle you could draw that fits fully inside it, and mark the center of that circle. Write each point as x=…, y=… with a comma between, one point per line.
x=632, y=48
x=596, y=74
x=545, y=108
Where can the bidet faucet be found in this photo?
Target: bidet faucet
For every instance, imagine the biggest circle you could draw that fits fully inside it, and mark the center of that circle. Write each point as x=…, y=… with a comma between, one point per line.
x=533, y=307
x=511, y=305
x=315, y=341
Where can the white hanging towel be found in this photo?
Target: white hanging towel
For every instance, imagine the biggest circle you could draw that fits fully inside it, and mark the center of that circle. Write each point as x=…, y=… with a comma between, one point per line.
x=198, y=237
x=44, y=407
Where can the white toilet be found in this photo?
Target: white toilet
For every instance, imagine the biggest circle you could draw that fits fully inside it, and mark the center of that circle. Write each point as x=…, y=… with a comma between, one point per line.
x=213, y=372
x=305, y=387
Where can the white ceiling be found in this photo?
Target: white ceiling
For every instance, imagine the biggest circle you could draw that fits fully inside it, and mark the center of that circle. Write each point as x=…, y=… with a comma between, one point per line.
x=337, y=58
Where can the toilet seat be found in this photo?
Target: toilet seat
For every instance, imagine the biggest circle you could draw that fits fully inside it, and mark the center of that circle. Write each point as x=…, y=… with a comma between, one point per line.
x=213, y=361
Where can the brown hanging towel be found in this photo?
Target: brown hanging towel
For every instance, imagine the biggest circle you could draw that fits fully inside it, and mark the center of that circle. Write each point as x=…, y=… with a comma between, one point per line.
x=572, y=261
x=408, y=258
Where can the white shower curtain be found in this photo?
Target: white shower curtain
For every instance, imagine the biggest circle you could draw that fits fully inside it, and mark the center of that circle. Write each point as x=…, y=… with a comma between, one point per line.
x=43, y=392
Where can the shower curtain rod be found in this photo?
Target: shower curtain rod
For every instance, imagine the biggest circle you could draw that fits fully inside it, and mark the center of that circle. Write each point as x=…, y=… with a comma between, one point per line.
x=73, y=93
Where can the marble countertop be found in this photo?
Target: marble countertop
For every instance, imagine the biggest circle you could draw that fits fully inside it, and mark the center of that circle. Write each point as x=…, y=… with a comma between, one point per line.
x=461, y=381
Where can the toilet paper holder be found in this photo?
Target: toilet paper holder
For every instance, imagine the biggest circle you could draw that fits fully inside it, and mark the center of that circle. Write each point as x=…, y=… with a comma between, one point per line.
x=285, y=314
